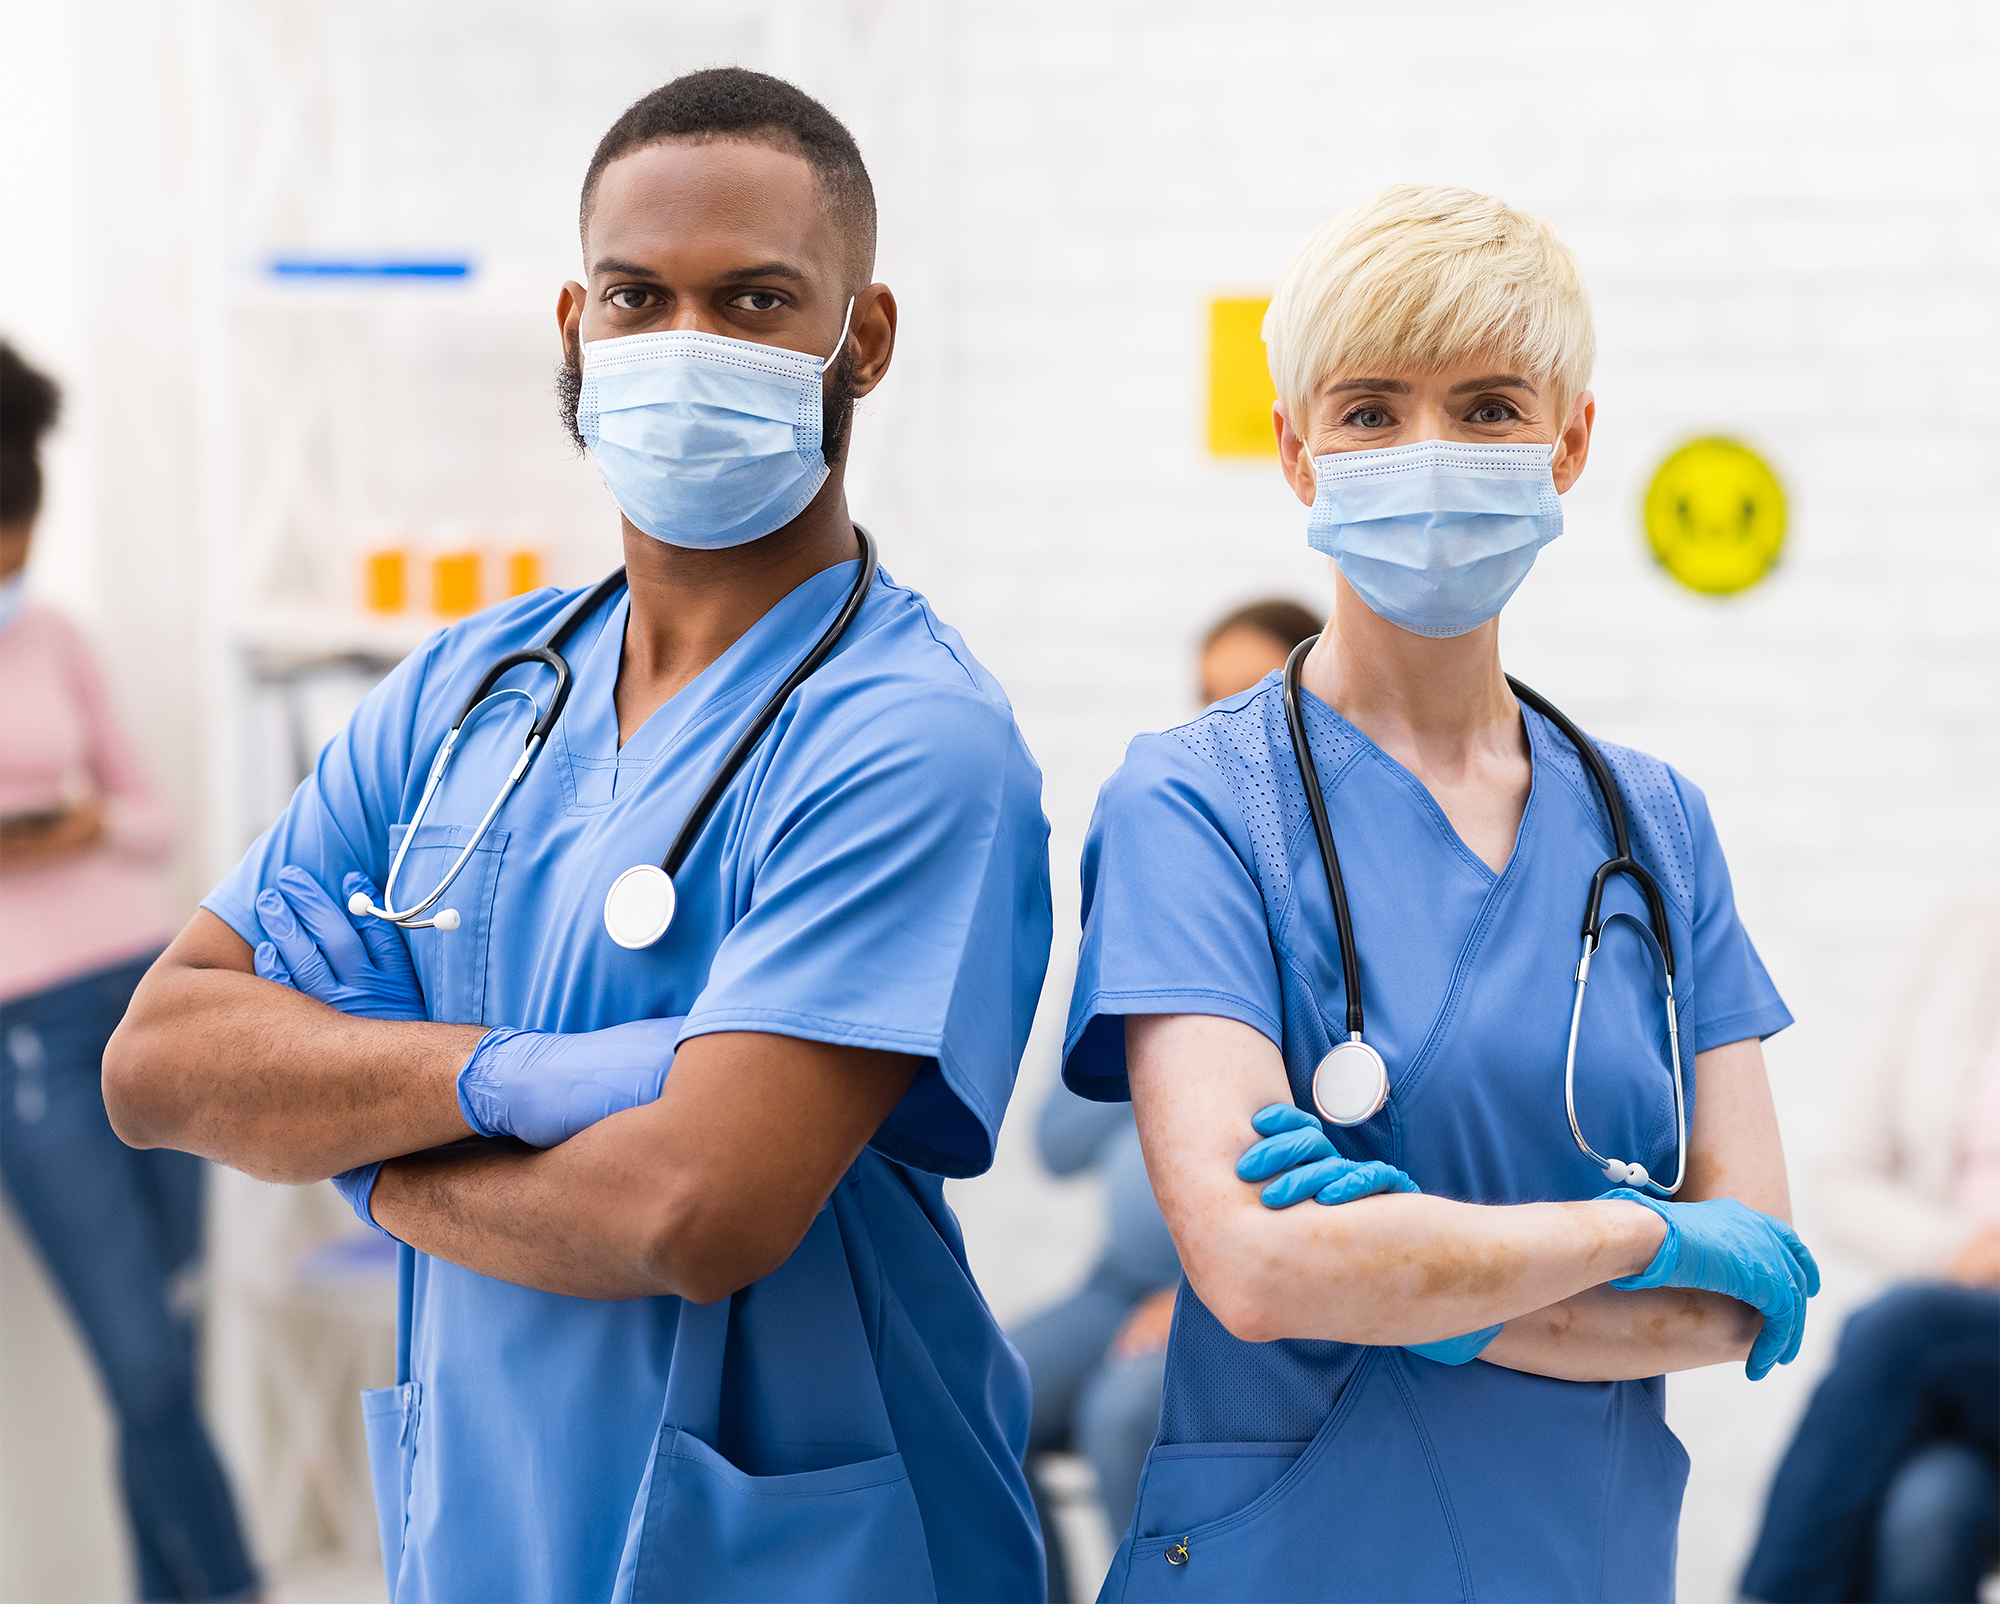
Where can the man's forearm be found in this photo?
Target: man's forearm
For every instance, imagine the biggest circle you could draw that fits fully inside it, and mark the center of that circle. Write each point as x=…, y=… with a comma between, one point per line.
x=1607, y=1335
x=212, y=1060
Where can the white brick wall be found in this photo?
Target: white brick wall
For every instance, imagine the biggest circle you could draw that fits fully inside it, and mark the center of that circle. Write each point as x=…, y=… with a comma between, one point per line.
x=1786, y=211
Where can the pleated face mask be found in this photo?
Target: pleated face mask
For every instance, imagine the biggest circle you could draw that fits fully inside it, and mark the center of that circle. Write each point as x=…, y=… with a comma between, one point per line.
x=702, y=440
x=1436, y=536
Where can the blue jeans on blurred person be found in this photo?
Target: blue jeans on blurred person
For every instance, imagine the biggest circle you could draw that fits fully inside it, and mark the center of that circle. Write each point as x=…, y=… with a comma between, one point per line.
x=120, y=1232
x=1889, y=1491
x=1086, y=1401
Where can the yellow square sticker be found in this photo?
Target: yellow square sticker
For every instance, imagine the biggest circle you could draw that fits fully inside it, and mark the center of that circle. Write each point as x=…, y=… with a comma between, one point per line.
x=1240, y=391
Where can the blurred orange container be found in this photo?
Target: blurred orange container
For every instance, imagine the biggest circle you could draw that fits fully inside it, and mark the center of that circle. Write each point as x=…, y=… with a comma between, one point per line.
x=386, y=581
x=455, y=583
x=524, y=572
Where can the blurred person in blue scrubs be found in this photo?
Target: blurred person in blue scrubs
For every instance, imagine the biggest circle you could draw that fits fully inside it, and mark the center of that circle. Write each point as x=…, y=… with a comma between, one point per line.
x=1420, y=1354
x=1890, y=1490
x=82, y=838
x=687, y=1315
x=1096, y=1359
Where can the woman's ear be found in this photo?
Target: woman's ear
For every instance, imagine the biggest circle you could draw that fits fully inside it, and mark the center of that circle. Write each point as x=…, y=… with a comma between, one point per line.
x=1573, y=444
x=1296, y=461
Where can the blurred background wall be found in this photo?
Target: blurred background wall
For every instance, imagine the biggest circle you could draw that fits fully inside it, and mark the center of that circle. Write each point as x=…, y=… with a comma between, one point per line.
x=1787, y=214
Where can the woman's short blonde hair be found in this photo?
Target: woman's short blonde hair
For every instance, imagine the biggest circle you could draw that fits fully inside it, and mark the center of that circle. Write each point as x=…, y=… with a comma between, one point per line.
x=1424, y=277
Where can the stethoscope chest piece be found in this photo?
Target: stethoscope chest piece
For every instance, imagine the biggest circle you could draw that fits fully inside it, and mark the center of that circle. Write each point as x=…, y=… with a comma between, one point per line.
x=639, y=906
x=1351, y=1084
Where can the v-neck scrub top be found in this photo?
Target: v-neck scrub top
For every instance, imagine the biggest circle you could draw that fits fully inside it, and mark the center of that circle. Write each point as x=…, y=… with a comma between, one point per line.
x=876, y=876
x=1326, y=1470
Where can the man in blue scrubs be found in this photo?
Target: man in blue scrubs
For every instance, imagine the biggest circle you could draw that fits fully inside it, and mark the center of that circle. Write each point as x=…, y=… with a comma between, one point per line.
x=706, y=1330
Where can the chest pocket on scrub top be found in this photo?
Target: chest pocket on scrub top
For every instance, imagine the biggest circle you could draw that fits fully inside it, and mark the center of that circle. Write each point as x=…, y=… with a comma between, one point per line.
x=452, y=964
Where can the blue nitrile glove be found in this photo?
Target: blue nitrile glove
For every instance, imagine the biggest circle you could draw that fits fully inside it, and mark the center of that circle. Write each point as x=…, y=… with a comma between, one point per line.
x=1297, y=1152
x=543, y=1087
x=1725, y=1246
x=1454, y=1350
x=361, y=967
x=357, y=1186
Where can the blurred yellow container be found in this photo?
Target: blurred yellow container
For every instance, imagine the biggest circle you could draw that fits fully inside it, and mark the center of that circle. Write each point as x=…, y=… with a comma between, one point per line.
x=455, y=583
x=524, y=572
x=386, y=581
x=1240, y=391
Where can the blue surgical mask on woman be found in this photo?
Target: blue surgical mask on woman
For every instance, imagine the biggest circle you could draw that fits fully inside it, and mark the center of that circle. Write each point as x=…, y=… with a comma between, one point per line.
x=705, y=441
x=13, y=592
x=1435, y=536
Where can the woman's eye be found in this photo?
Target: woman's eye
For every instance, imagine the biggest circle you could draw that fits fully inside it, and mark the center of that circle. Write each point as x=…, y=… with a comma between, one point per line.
x=628, y=298
x=1367, y=418
x=1492, y=412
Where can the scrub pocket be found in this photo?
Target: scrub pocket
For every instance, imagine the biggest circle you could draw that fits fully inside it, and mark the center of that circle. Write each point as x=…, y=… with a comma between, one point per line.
x=451, y=964
x=705, y=1528
x=389, y=1419
x=1275, y=1521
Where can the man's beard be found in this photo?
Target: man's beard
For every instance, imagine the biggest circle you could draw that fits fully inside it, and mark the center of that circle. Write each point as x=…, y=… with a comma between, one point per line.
x=836, y=420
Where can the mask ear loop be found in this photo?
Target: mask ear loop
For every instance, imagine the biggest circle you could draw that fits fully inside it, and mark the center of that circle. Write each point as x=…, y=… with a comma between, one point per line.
x=838, y=345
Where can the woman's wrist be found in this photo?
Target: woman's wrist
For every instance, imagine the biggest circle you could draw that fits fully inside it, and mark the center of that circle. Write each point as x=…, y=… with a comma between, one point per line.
x=1634, y=1234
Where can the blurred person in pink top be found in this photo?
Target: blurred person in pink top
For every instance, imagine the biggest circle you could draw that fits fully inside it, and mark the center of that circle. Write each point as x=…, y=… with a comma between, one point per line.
x=81, y=917
x=1891, y=1489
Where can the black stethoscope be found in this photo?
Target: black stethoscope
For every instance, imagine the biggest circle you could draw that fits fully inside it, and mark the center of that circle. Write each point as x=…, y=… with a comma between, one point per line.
x=640, y=904
x=1352, y=1083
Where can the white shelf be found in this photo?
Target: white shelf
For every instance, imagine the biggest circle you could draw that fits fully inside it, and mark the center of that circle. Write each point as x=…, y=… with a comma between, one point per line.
x=307, y=631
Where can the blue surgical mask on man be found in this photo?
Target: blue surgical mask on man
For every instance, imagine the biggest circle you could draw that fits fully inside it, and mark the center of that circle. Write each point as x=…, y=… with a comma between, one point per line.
x=705, y=441
x=1435, y=536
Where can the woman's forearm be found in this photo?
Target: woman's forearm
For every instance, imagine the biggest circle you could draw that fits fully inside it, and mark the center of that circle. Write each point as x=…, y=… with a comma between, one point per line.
x=1606, y=1335
x=212, y=1060
x=1402, y=1268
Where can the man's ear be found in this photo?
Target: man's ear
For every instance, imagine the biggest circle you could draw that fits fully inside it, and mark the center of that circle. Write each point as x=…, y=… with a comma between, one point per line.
x=872, y=335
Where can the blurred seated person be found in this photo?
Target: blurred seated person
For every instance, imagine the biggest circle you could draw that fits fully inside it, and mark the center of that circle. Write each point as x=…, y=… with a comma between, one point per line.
x=1890, y=1491
x=81, y=917
x=1097, y=1359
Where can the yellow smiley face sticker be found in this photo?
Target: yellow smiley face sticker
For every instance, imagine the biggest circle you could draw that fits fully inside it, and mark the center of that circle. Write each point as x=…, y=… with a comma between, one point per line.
x=1715, y=516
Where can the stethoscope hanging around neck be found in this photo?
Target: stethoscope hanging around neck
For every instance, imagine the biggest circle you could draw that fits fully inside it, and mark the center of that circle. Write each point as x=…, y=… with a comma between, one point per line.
x=640, y=904
x=1351, y=1083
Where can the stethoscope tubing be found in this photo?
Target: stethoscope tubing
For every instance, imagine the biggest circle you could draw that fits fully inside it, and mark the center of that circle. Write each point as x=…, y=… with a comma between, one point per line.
x=1621, y=863
x=549, y=654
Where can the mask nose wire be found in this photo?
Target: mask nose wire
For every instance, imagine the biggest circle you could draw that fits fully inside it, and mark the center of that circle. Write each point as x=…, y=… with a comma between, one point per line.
x=845, y=324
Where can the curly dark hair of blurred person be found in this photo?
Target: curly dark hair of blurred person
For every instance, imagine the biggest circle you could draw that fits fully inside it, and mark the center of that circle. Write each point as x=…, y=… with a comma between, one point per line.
x=29, y=403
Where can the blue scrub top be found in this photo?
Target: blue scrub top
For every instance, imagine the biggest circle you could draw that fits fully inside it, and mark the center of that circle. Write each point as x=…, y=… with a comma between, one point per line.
x=876, y=876
x=1325, y=1470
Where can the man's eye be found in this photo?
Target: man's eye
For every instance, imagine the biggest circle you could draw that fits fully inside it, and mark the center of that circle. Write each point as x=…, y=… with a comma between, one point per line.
x=759, y=301
x=629, y=298
x=1368, y=418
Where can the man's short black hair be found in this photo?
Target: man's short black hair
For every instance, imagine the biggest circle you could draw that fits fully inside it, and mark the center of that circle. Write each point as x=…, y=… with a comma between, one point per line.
x=29, y=401
x=735, y=103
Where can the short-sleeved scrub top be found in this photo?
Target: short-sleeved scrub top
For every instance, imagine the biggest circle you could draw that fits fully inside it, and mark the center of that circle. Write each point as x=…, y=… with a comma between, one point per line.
x=1324, y=1470
x=876, y=876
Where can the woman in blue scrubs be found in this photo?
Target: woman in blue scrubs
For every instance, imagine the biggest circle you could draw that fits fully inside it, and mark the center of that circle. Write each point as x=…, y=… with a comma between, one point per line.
x=687, y=1316
x=1425, y=1360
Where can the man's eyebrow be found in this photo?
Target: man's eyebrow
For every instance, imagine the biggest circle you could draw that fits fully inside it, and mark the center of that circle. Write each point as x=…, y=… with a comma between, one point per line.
x=1493, y=381
x=739, y=275
x=625, y=269
x=1385, y=386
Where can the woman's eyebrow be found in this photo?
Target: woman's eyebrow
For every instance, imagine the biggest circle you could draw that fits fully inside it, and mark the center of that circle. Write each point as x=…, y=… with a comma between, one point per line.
x=1492, y=381
x=1382, y=386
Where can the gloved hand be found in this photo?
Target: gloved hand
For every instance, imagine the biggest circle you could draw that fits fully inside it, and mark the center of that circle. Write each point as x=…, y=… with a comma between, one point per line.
x=1454, y=1350
x=361, y=967
x=1725, y=1246
x=357, y=1186
x=544, y=1088
x=1297, y=1152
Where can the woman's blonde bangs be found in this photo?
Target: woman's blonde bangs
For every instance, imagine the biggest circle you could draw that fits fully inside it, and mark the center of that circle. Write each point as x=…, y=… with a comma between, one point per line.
x=1425, y=278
